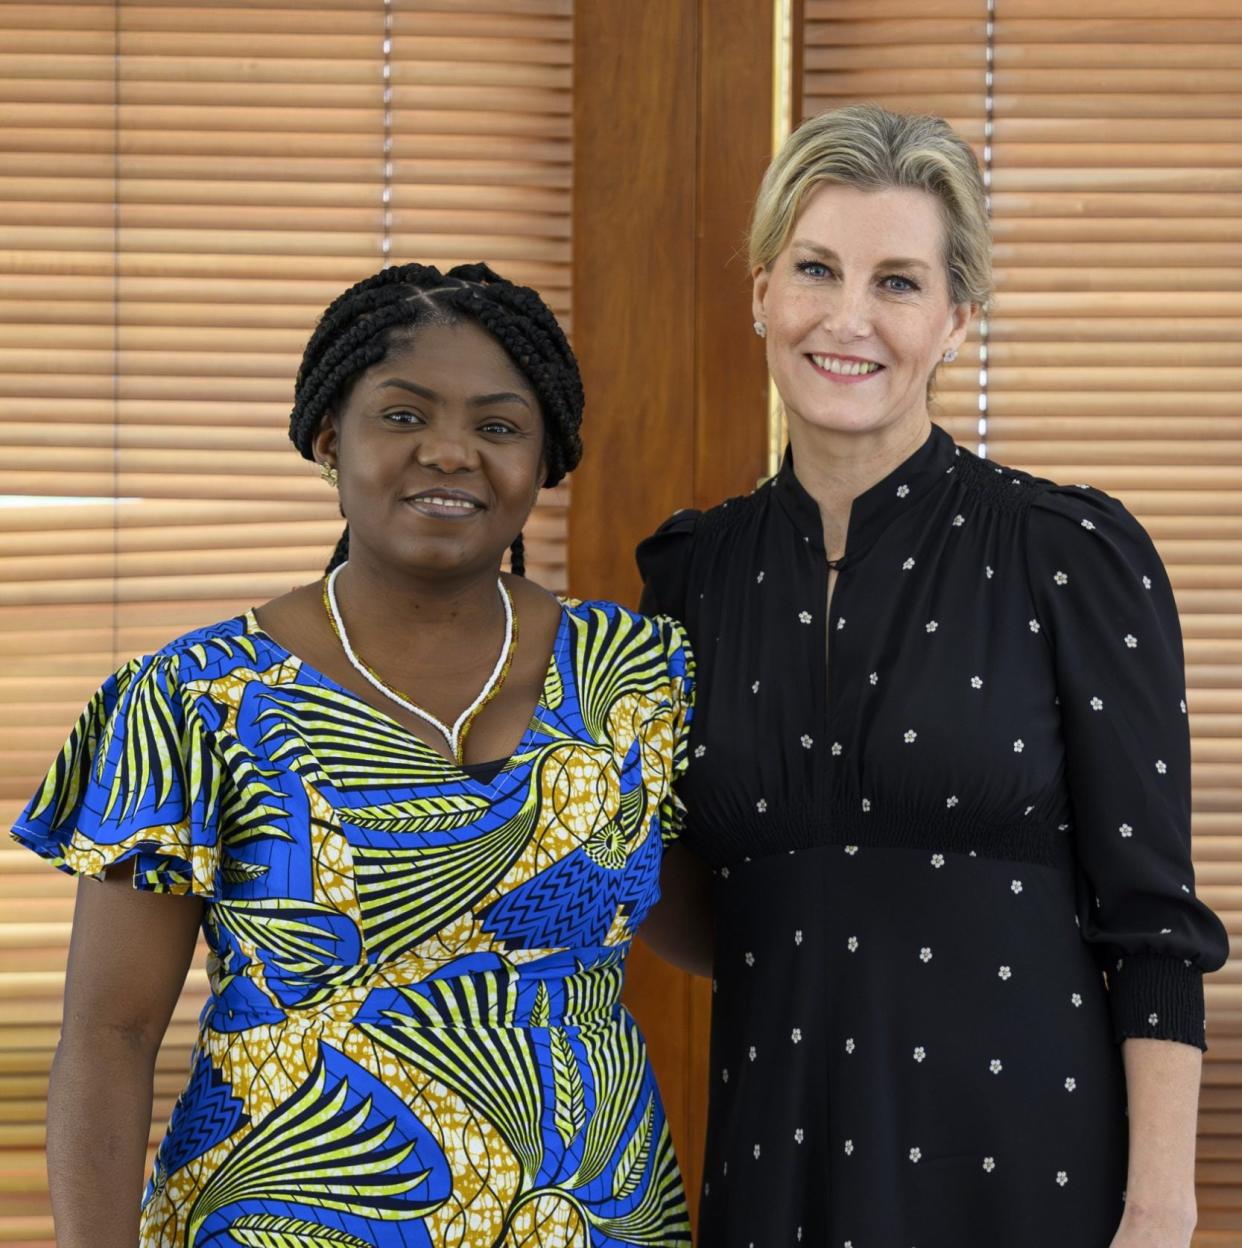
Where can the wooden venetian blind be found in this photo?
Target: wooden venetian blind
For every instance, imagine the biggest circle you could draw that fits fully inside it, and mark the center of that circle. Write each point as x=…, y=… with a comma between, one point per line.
x=1115, y=352
x=183, y=188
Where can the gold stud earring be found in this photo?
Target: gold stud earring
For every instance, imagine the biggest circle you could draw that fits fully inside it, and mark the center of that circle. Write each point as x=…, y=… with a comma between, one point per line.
x=330, y=475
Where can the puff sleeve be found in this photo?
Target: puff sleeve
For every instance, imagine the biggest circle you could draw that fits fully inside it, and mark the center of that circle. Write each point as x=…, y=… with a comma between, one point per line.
x=680, y=663
x=1107, y=610
x=137, y=781
x=664, y=564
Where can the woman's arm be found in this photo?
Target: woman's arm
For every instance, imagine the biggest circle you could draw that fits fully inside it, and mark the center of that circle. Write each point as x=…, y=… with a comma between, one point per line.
x=679, y=926
x=128, y=957
x=1162, y=1081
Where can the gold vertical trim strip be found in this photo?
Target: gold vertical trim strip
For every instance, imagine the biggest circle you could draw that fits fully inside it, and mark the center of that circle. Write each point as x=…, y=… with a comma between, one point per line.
x=783, y=70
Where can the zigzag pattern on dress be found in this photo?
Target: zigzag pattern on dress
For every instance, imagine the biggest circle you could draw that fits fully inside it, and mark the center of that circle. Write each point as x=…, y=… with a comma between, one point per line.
x=207, y=1114
x=568, y=904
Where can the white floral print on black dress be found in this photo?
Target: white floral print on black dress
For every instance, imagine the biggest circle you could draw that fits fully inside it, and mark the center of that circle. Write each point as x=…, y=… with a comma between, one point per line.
x=968, y=779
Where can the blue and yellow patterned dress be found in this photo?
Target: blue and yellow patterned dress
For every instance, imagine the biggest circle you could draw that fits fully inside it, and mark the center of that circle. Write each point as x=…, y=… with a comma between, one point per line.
x=414, y=1035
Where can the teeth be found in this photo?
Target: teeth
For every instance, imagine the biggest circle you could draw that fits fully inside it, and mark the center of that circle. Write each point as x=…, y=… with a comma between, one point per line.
x=846, y=368
x=460, y=503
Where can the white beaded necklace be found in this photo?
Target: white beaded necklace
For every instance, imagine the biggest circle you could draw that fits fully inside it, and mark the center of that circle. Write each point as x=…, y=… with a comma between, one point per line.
x=455, y=736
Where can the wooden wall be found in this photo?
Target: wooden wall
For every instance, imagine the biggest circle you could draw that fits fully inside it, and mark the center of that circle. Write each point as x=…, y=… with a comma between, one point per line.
x=672, y=131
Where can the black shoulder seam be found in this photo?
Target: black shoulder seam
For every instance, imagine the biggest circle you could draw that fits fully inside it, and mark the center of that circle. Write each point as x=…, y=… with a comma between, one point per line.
x=733, y=511
x=1003, y=489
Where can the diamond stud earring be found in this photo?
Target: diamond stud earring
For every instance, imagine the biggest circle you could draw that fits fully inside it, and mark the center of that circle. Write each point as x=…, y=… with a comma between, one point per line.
x=761, y=329
x=950, y=355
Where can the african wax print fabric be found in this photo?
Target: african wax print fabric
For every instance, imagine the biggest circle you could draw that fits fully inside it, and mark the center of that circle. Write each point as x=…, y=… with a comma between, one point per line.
x=414, y=1034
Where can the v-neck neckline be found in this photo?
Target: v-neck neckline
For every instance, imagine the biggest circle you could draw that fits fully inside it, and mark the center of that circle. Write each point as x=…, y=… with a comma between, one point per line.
x=253, y=628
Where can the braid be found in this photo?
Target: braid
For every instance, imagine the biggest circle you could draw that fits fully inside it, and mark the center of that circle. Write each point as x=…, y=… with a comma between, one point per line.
x=517, y=556
x=359, y=326
x=341, y=553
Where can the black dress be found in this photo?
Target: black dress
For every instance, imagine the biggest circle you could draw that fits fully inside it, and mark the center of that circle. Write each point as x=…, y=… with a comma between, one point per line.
x=934, y=819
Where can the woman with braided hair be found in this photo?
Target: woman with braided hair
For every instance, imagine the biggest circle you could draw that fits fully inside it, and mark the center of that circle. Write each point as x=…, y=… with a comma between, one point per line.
x=417, y=809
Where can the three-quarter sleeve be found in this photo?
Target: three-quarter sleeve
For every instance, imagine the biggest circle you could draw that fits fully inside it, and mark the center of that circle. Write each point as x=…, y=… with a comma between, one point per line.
x=664, y=564
x=1106, y=608
x=138, y=780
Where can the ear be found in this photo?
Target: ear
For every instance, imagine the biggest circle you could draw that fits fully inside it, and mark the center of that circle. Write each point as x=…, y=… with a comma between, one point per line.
x=760, y=277
x=325, y=443
x=959, y=325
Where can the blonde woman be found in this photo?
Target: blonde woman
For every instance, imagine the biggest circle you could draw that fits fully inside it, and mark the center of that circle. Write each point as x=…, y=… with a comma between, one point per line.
x=940, y=773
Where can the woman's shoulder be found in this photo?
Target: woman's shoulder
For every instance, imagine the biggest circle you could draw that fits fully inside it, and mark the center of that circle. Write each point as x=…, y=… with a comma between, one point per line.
x=607, y=613
x=219, y=633
x=689, y=539
x=203, y=653
x=605, y=626
x=214, y=649
x=1080, y=517
x=1070, y=531
x=1025, y=491
x=1050, y=508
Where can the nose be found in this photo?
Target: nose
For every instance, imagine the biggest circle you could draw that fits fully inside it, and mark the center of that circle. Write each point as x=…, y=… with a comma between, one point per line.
x=447, y=450
x=847, y=316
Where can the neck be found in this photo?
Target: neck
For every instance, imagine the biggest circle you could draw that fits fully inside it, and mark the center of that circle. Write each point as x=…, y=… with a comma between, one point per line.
x=416, y=614
x=835, y=467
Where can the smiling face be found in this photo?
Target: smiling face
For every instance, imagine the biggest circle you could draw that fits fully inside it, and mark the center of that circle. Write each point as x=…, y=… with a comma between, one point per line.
x=439, y=447
x=858, y=311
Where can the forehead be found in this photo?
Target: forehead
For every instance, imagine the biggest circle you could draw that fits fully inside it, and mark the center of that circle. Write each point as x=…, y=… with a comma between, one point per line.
x=895, y=221
x=454, y=360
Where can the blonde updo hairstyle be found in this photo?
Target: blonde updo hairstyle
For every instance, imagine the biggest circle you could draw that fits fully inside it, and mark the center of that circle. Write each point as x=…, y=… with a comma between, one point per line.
x=868, y=147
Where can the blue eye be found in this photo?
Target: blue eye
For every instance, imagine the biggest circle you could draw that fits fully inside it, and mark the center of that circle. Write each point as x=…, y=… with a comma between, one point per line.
x=812, y=268
x=907, y=285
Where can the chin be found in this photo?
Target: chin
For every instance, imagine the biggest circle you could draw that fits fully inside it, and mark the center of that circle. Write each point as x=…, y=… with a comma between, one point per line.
x=839, y=421
x=421, y=556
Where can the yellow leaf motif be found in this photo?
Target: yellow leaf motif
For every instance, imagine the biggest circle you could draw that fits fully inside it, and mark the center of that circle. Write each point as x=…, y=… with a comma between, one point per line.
x=633, y=1163
x=265, y=1230
x=433, y=813
x=541, y=1010
x=570, y=1112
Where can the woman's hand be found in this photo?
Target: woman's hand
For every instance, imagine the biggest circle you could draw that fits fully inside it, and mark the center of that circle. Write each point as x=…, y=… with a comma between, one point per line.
x=1164, y=1227
x=1162, y=1086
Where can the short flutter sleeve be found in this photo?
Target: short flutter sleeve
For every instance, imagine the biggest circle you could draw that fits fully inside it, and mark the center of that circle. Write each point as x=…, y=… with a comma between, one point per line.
x=1106, y=608
x=664, y=563
x=680, y=661
x=137, y=781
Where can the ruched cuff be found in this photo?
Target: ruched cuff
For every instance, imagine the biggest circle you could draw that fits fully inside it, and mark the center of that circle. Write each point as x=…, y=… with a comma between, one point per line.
x=1154, y=997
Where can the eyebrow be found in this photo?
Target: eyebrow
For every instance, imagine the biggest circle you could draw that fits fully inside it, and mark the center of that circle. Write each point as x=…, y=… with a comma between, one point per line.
x=895, y=262
x=479, y=400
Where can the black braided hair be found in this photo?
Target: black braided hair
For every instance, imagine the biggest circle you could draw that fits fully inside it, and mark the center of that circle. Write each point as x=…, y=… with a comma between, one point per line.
x=517, y=556
x=359, y=326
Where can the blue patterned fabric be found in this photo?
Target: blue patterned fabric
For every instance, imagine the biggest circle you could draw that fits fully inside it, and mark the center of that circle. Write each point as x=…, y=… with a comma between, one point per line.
x=414, y=1035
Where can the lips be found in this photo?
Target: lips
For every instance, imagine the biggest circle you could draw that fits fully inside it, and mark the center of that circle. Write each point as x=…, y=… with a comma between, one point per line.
x=845, y=366
x=446, y=504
